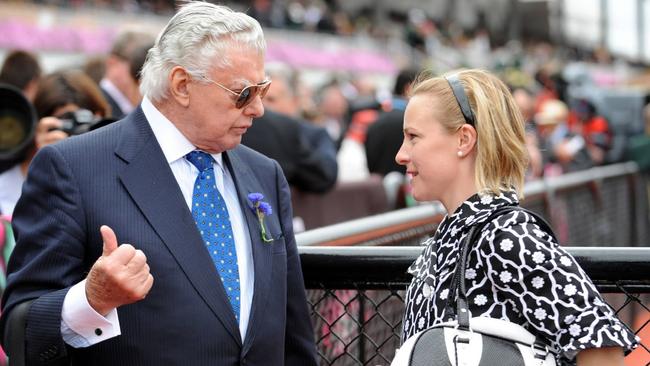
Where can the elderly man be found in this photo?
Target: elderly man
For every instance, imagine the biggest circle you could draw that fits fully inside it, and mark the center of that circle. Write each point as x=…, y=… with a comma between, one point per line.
x=211, y=274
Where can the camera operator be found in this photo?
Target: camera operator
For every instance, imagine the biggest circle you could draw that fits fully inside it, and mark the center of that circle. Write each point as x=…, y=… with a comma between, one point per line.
x=20, y=70
x=67, y=103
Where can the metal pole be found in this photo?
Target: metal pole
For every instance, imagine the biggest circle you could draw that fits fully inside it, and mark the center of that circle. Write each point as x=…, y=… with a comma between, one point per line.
x=641, y=28
x=362, y=320
x=603, y=23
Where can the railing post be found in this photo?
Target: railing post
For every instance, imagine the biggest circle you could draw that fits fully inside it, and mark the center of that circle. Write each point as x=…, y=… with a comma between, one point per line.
x=362, y=321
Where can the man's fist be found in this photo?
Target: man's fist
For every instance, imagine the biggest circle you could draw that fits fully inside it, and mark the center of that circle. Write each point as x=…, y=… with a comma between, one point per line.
x=119, y=277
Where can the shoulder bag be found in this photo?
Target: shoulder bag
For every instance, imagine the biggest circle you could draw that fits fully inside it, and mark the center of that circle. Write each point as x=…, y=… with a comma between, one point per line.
x=479, y=341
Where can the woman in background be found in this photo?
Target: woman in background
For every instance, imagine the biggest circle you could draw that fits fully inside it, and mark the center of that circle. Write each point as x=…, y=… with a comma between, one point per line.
x=68, y=91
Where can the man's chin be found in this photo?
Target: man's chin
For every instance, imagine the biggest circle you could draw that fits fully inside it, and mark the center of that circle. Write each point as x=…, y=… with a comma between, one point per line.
x=232, y=143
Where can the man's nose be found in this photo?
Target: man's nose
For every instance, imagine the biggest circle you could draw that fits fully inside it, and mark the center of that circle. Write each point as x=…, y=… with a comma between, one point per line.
x=255, y=109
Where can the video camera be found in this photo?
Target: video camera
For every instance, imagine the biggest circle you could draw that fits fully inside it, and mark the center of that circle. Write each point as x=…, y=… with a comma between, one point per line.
x=17, y=126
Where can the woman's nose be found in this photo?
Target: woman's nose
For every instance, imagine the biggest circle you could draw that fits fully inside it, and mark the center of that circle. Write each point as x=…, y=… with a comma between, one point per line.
x=402, y=157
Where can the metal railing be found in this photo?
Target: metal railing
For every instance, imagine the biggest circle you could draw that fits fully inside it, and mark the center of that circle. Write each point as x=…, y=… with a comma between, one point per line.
x=357, y=293
x=357, y=297
x=601, y=206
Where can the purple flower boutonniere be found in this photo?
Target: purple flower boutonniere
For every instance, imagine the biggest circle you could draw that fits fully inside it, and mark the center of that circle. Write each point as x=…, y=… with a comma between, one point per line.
x=261, y=210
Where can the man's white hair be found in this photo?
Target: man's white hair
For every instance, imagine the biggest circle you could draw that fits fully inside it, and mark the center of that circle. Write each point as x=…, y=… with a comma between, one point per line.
x=197, y=39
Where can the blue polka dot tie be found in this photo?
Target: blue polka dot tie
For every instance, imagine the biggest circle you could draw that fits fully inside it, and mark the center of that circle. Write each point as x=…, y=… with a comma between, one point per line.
x=212, y=219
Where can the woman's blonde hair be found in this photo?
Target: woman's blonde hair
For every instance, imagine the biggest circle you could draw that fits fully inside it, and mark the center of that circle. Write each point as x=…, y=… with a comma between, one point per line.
x=502, y=156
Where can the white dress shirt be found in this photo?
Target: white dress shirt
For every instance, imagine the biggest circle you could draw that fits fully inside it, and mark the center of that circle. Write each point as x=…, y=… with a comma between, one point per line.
x=80, y=321
x=122, y=101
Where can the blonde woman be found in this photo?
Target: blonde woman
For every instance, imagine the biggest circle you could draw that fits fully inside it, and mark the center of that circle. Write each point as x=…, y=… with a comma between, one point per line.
x=464, y=145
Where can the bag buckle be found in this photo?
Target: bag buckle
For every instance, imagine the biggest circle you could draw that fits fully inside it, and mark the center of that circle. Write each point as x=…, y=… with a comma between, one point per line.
x=539, y=351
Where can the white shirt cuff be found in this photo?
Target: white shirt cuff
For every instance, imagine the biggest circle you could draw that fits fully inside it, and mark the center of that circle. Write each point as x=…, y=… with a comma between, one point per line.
x=81, y=325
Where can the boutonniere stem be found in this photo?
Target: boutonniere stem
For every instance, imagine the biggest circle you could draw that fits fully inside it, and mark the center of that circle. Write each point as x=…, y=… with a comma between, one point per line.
x=261, y=210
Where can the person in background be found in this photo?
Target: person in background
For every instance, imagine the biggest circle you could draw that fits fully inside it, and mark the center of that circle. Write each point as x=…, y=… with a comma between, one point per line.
x=284, y=139
x=305, y=152
x=384, y=136
x=95, y=67
x=22, y=70
x=549, y=80
x=68, y=91
x=464, y=145
x=212, y=274
x=282, y=96
x=119, y=86
x=524, y=100
x=333, y=112
x=638, y=148
x=57, y=94
x=563, y=151
x=584, y=120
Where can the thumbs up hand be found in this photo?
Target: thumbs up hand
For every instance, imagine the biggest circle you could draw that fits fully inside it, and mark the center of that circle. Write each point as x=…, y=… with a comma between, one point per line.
x=119, y=277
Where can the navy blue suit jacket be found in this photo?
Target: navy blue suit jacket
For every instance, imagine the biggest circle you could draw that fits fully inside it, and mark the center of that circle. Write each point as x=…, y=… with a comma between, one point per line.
x=118, y=176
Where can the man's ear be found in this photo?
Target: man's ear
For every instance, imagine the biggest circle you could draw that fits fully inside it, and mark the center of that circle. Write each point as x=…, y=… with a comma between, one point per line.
x=179, y=81
x=466, y=139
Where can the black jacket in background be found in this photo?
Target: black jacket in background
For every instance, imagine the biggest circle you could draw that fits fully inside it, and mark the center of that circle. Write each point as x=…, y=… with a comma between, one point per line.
x=383, y=140
x=306, y=153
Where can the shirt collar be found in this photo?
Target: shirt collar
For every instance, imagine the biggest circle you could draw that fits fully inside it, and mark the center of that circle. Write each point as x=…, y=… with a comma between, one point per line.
x=172, y=142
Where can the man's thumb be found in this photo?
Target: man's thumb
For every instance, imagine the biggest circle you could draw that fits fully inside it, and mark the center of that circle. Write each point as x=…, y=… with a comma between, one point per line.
x=110, y=240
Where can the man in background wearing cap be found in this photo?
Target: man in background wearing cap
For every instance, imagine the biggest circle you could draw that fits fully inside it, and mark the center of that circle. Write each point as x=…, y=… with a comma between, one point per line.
x=563, y=150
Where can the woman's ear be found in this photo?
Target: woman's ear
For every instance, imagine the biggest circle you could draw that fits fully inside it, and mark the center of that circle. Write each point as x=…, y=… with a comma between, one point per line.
x=466, y=139
x=179, y=81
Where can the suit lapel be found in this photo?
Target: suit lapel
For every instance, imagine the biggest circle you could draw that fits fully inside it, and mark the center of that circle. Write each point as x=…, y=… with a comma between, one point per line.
x=151, y=183
x=247, y=183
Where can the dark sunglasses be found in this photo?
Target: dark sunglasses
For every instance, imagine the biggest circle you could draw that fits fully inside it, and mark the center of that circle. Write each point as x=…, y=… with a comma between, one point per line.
x=246, y=95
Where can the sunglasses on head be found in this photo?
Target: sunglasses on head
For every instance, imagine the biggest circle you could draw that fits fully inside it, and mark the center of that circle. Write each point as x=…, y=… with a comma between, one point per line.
x=246, y=95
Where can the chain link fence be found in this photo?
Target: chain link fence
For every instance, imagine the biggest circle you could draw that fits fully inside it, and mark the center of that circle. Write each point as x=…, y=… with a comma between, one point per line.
x=363, y=326
x=610, y=208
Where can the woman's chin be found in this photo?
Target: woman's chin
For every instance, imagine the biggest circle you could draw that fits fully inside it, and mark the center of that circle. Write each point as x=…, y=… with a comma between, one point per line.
x=420, y=195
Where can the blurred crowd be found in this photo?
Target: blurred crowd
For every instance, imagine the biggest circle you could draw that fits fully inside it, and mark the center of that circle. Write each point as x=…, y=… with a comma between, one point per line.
x=304, y=15
x=348, y=129
x=323, y=16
